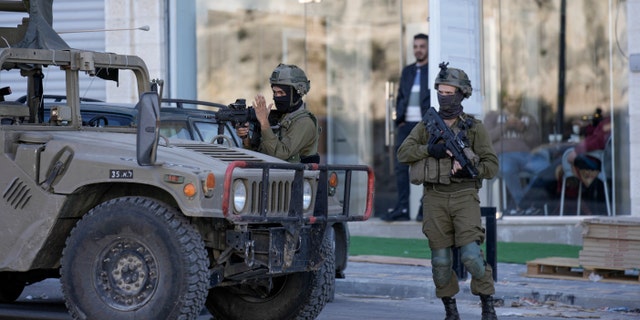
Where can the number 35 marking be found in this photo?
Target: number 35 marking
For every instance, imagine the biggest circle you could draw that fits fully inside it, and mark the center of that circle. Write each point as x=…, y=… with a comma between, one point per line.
x=120, y=174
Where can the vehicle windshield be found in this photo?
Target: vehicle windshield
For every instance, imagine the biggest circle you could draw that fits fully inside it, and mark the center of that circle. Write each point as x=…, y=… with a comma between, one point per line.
x=175, y=129
x=208, y=130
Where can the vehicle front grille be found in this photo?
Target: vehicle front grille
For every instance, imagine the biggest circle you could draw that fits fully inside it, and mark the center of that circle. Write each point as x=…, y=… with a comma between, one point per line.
x=219, y=152
x=278, y=198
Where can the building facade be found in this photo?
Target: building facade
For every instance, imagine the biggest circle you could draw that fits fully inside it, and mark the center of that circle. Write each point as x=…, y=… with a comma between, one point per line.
x=563, y=58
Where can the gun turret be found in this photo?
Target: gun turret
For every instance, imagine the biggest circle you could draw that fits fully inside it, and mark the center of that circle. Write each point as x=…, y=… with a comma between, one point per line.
x=36, y=32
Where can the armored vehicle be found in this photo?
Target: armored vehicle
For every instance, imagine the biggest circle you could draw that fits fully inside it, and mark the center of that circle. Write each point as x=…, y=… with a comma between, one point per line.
x=197, y=120
x=141, y=226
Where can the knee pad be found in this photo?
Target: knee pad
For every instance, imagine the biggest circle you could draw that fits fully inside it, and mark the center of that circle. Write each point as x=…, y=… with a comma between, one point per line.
x=441, y=266
x=472, y=258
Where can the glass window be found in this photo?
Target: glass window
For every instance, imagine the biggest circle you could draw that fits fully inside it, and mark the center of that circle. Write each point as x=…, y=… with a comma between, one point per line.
x=552, y=73
x=353, y=54
x=175, y=129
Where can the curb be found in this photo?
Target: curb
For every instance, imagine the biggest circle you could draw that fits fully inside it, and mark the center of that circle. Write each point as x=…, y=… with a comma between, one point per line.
x=406, y=278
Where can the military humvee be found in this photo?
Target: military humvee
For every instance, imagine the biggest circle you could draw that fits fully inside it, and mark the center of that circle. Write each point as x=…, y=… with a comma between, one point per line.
x=139, y=226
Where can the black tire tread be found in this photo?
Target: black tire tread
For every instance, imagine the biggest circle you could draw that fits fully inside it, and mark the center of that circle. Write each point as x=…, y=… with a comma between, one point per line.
x=190, y=241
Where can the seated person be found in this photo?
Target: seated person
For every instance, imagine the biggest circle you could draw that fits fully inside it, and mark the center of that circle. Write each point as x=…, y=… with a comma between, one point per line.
x=586, y=167
x=514, y=134
x=547, y=185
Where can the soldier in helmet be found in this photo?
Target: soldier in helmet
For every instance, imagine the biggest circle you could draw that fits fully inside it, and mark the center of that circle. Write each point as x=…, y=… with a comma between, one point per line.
x=451, y=205
x=290, y=131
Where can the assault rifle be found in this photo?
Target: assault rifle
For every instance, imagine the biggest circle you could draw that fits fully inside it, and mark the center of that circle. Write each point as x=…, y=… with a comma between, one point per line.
x=436, y=127
x=238, y=114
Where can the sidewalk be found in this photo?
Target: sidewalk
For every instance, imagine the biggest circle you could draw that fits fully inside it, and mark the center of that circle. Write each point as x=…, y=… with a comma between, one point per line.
x=402, y=278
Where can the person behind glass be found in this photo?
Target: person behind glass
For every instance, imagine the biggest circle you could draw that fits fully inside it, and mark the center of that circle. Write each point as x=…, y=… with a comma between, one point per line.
x=412, y=102
x=584, y=166
x=451, y=202
x=290, y=131
x=514, y=133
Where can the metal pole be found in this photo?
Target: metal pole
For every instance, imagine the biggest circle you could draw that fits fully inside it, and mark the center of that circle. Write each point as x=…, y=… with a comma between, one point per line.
x=561, y=68
x=491, y=239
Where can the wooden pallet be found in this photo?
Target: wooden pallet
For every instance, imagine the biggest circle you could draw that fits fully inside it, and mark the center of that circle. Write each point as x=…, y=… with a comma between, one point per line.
x=570, y=269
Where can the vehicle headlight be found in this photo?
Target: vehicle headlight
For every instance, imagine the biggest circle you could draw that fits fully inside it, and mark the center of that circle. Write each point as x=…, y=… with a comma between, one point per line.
x=307, y=194
x=239, y=195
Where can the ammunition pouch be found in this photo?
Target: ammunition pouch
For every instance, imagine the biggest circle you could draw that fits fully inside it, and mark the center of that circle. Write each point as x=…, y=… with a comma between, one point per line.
x=431, y=170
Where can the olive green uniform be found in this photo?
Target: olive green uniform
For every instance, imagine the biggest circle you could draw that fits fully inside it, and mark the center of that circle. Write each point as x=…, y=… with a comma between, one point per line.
x=452, y=211
x=296, y=137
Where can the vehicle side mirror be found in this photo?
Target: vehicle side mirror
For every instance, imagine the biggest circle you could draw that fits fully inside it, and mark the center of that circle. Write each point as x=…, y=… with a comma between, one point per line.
x=148, y=128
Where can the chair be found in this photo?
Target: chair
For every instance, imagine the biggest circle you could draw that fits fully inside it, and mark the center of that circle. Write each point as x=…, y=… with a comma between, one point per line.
x=525, y=177
x=604, y=156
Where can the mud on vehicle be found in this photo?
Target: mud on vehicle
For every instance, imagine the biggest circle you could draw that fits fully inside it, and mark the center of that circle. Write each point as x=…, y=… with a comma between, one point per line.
x=139, y=226
x=197, y=120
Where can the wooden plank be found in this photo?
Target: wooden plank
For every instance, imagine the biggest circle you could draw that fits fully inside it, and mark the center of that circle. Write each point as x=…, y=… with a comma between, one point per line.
x=611, y=264
x=556, y=261
x=613, y=244
x=627, y=221
x=571, y=269
x=612, y=232
x=554, y=266
x=609, y=256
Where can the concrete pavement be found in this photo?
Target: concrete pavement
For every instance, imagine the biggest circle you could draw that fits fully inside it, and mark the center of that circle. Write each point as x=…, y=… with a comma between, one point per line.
x=401, y=278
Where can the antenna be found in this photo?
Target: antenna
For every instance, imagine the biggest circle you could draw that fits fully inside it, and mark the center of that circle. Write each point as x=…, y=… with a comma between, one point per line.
x=143, y=28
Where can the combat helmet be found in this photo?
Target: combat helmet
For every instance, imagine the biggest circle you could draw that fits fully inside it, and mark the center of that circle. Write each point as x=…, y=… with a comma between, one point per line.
x=290, y=75
x=454, y=77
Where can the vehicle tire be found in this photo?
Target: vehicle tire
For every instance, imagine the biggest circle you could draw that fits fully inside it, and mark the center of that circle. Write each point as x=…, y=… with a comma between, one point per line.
x=297, y=296
x=134, y=258
x=331, y=263
x=342, y=239
x=10, y=289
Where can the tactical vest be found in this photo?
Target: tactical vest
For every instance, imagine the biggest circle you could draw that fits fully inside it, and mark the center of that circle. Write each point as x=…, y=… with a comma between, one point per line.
x=286, y=123
x=438, y=171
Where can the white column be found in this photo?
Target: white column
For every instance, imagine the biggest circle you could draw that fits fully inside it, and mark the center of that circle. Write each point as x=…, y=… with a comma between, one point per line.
x=633, y=32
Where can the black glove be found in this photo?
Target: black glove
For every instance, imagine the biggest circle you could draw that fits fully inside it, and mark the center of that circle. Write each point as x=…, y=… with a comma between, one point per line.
x=462, y=173
x=437, y=150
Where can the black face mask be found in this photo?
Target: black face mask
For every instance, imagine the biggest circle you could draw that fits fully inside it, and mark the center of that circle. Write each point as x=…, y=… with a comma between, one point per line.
x=282, y=103
x=289, y=102
x=450, y=106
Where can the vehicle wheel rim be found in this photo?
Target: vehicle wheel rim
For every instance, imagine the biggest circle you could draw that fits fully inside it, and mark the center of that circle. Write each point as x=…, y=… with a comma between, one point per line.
x=127, y=275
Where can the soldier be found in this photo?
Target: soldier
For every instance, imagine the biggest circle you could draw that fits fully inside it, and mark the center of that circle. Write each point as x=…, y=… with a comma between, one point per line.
x=289, y=132
x=451, y=205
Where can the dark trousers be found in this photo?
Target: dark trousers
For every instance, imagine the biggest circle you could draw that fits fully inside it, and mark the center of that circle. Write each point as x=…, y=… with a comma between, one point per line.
x=401, y=169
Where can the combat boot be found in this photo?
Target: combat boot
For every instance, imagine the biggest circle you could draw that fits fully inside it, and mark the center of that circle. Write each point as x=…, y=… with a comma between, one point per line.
x=450, y=308
x=488, y=313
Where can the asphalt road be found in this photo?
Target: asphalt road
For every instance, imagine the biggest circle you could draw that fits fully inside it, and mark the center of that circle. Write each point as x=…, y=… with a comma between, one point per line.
x=43, y=300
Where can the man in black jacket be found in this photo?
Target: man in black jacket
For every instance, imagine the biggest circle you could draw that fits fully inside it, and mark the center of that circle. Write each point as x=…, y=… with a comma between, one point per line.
x=412, y=102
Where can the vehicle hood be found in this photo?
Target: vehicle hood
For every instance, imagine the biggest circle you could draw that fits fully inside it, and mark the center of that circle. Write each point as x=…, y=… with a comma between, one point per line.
x=88, y=157
x=107, y=145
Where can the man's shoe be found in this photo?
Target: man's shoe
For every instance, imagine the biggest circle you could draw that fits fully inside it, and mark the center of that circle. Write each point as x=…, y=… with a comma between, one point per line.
x=532, y=211
x=397, y=215
x=515, y=212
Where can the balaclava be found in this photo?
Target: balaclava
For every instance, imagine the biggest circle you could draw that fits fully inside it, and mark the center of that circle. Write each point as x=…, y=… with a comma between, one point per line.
x=450, y=106
x=288, y=103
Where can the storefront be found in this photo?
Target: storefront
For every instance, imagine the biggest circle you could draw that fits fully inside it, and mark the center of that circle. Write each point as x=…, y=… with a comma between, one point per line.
x=353, y=52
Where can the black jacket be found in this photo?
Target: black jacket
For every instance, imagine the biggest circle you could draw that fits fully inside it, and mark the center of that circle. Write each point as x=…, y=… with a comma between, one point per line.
x=404, y=90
